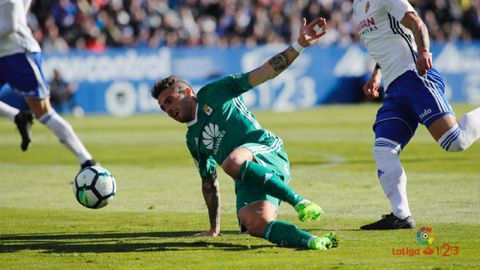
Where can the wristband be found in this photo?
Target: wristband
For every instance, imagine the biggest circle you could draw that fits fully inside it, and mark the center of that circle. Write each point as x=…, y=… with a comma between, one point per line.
x=297, y=47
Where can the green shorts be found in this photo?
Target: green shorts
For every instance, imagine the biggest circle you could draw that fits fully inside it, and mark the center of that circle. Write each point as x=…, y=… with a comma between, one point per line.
x=273, y=158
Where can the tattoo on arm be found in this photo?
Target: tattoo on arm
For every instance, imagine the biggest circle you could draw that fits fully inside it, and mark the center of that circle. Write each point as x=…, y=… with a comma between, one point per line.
x=272, y=67
x=282, y=60
x=278, y=62
x=210, y=190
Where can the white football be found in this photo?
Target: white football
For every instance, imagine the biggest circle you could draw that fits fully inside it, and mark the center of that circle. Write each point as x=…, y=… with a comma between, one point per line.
x=94, y=187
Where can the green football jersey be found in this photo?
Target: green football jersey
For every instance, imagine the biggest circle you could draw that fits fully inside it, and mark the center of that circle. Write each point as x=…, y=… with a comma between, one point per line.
x=223, y=123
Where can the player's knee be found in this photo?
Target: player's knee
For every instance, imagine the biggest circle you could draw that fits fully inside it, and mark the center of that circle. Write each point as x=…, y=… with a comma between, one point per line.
x=231, y=166
x=39, y=112
x=255, y=219
x=255, y=227
x=233, y=162
x=387, y=159
x=386, y=150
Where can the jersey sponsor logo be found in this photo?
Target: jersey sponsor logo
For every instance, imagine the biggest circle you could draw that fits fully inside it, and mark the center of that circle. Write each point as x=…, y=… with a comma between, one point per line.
x=365, y=26
x=425, y=113
x=212, y=137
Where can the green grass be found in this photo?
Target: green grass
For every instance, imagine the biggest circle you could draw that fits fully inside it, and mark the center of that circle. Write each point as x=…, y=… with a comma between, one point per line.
x=159, y=205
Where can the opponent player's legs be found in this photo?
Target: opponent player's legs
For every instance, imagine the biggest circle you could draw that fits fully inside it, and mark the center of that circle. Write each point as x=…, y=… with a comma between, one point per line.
x=22, y=119
x=395, y=125
x=43, y=111
x=24, y=74
x=455, y=136
x=390, y=137
x=414, y=99
x=8, y=111
x=434, y=111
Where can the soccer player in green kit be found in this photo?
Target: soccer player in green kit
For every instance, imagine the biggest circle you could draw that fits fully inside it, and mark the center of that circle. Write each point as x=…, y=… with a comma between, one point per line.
x=221, y=130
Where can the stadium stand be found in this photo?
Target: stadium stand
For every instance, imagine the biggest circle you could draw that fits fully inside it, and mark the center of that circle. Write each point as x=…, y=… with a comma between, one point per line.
x=95, y=25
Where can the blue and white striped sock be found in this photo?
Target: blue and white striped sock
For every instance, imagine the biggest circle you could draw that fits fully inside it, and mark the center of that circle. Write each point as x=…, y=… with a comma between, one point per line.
x=461, y=136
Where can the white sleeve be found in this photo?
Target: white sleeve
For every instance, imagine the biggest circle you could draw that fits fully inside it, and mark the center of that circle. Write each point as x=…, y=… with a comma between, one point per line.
x=26, y=5
x=397, y=8
x=8, y=23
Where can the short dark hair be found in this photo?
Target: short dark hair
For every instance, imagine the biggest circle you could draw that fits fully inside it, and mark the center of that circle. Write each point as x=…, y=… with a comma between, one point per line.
x=166, y=83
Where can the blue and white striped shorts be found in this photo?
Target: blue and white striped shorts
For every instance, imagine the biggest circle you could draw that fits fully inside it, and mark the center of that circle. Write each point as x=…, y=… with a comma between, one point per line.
x=23, y=72
x=414, y=99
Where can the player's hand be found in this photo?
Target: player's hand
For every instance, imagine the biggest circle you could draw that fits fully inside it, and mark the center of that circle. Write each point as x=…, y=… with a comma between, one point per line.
x=210, y=233
x=424, y=62
x=371, y=88
x=310, y=33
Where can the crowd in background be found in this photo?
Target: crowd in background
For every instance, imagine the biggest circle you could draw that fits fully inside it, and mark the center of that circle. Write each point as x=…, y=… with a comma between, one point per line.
x=96, y=25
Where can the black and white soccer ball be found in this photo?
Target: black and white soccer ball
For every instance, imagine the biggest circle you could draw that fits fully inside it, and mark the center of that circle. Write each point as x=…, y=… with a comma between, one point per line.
x=94, y=187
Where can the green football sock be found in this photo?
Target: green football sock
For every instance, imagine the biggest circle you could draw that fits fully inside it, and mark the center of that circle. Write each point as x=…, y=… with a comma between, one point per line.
x=262, y=178
x=286, y=234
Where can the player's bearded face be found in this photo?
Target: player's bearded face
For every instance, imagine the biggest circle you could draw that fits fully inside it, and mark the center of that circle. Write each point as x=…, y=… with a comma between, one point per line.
x=178, y=104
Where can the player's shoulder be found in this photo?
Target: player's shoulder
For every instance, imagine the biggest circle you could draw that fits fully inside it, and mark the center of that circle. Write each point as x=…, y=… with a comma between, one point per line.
x=221, y=83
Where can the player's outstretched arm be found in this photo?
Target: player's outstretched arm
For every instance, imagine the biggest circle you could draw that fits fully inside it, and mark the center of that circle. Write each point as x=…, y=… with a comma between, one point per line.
x=211, y=194
x=420, y=33
x=309, y=34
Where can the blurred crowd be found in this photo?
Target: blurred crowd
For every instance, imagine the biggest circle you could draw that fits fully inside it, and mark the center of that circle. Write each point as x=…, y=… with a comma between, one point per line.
x=61, y=25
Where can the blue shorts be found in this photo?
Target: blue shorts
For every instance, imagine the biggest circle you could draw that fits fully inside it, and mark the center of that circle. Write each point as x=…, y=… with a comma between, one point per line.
x=23, y=72
x=411, y=99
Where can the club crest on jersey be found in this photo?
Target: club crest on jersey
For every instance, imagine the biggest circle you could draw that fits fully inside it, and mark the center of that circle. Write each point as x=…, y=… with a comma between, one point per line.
x=367, y=7
x=206, y=109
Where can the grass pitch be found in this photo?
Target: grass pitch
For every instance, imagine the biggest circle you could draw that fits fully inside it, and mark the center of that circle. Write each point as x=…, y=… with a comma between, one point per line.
x=159, y=205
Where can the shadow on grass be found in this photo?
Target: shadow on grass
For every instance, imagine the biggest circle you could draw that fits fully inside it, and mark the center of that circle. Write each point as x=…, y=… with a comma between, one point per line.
x=116, y=242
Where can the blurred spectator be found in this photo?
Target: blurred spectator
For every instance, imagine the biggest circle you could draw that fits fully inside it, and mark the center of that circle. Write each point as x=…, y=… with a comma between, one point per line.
x=99, y=24
x=62, y=95
x=53, y=41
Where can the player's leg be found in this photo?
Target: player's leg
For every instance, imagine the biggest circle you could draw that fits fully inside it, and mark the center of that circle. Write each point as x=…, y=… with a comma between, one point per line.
x=61, y=128
x=390, y=137
x=8, y=111
x=437, y=115
x=259, y=219
x=26, y=78
x=455, y=136
x=395, y=124
x=266, y=168
x=22, y=119
x=241, y=165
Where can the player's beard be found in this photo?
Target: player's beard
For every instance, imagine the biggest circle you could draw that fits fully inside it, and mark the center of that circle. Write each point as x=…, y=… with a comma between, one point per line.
x=186, y=113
